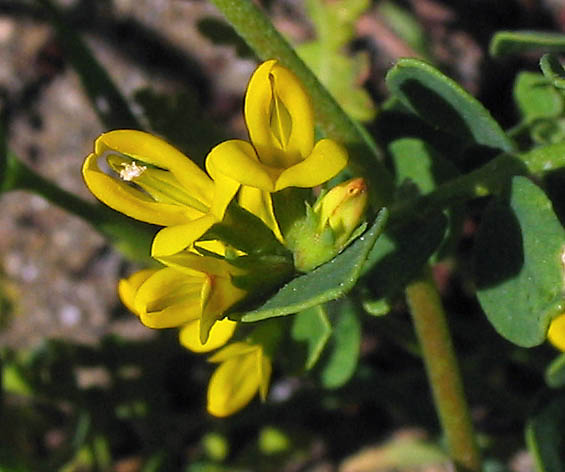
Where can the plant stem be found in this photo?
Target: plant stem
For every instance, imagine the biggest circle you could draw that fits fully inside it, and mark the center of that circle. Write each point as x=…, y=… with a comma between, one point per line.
x=19, y=176
x=443, y=372
x=259, y=33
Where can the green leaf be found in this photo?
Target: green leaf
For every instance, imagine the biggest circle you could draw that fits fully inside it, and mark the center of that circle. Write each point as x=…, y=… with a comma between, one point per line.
x=328, y=282
x=400, y=253
x=553, y=70
x=312, y=328
x=518, y=264
x=548, y=132
x=555, y=372
x=108, y=102
x=545, y=435
x=536, y=98
x=542, y=159
x=441, y=102
x=344, y=345
x=513, y=42
x=416, y=161
x=334, y=23
x=262, y=274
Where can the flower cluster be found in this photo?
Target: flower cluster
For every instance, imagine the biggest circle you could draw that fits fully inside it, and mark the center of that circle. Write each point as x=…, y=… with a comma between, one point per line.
x=211, y=260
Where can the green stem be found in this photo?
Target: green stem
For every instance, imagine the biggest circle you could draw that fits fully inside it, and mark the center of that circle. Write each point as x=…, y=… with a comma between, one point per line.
x=259, y=33
x=18, y=176
x=131, y=237
x=443, y=372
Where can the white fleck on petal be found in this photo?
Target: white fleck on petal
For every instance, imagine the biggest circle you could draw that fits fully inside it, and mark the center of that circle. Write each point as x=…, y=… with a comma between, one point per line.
x=131, y=171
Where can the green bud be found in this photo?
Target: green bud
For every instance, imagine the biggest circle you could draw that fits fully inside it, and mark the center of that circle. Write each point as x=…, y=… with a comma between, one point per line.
x=329, y=226
x=342, y=208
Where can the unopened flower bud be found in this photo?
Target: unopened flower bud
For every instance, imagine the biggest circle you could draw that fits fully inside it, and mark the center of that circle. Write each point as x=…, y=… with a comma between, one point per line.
x=329, y=226
x=343, y=209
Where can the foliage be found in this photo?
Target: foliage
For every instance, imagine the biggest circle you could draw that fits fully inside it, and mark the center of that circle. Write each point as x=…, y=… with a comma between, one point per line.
x=440, y=169
x=340, y=73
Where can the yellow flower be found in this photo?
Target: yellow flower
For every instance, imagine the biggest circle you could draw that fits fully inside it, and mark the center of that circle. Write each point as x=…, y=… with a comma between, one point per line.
x=220, y=334
x=244, y=369
x=556, y=333
x=156, y=183
x=192, y=294
x=127, y=288
x=282, y=152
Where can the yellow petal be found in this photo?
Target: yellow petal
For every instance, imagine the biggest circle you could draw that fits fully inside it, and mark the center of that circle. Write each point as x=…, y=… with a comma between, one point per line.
x=214, y=246
x=328, y=158
x=232, y=385
x=125, y=199
x=172, y=316
x=127, y=288
x=220, y=334
x=169, y=298
x=259, y=203
x=173, y=239
x=556, y=333
x=237, y=160
x=191, y=263
x=226, y=188
x=217, y=292
x=160, y=185
x=221, y=296
x=279, y=116
x=152, y=150
x=232, y=350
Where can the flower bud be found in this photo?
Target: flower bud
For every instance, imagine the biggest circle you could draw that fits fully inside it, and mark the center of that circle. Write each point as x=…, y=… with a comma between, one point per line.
x=329, y=226
x=343, y=208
